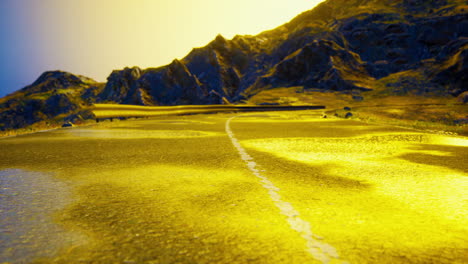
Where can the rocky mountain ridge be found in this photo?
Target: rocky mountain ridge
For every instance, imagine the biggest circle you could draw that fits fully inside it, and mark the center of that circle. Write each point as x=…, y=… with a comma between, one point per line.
x=350, y=46
x=339, y=45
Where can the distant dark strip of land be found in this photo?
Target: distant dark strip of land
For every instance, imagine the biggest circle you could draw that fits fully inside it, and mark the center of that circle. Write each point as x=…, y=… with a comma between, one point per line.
x=102, y=111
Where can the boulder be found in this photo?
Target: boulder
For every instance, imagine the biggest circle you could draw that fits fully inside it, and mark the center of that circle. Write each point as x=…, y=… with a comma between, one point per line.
x=463, y=98
x=358, y=98
x=462, y=121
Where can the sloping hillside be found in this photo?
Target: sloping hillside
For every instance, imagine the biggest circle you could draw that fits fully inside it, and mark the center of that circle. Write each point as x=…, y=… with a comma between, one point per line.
x=53, y=98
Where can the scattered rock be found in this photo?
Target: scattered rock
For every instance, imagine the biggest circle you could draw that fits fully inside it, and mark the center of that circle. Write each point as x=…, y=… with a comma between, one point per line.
x=463, y=97
x=462, y=121
x=358, y=98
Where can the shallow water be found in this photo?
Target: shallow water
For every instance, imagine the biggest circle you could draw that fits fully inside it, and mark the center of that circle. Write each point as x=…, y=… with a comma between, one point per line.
x=28, y=201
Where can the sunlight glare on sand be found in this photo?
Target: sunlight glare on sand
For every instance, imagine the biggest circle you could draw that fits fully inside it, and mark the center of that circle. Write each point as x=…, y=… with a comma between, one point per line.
x=379, y=160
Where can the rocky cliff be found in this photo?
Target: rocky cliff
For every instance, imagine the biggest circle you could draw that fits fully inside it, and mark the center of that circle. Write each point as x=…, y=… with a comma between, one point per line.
x=340, y=45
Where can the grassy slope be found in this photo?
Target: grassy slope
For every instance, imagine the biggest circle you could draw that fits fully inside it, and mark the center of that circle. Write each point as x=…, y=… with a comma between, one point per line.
x=402, y=105
x=432, y=113
x=73, y=93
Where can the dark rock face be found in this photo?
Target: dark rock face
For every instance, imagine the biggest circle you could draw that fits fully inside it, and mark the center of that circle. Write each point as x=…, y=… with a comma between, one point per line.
x=451, y=67
x=422, y=5
x=221, y=69
x=320, y=64
x=174, y=84
x=403, y=44
x=463, y=97
x=121, y=86
x=22, y=113
x=333, y=47
x=58, y=104
x=30, y=111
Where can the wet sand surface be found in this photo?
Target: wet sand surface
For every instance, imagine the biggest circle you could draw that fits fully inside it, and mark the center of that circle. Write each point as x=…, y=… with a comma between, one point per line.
x=28, y=202
x=284, y=187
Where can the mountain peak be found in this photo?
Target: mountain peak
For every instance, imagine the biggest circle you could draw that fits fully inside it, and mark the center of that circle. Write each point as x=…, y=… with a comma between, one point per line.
x=61, y=76
x=176, y=62
x=219, y=41
x=51, y=80
x=220, y=38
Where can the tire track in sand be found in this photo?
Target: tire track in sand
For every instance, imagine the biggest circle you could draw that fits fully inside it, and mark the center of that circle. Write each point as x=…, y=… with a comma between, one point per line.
x=320, y=251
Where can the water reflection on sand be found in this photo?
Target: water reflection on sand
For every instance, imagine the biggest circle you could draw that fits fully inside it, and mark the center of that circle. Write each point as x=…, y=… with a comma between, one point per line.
x=28, y=201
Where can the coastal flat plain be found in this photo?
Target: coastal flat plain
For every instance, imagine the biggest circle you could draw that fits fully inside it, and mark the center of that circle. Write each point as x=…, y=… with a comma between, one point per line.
x=276, y=187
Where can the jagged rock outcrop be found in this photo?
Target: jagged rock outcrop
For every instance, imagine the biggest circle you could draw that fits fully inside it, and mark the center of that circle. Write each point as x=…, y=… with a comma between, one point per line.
x=121, y=86
x=340, y=45
x=173, y=84
x=219, y=67
x=321, y=64
x=450, y=68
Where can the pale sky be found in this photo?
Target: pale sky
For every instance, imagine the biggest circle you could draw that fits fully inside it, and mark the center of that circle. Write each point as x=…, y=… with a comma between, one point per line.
x=93, y=37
